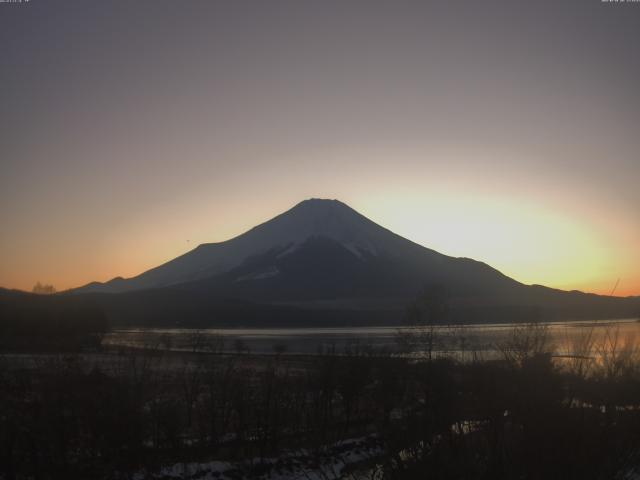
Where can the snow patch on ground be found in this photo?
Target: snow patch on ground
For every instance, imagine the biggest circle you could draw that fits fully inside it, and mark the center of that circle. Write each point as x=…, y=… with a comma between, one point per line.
x=329, y=464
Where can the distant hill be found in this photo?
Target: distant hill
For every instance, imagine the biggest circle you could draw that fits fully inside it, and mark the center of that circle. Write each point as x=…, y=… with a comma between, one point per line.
x=322, y=262
x=30, y=322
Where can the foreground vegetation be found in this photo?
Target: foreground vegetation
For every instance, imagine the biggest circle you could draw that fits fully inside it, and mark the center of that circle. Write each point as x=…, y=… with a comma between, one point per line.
x=119, y=413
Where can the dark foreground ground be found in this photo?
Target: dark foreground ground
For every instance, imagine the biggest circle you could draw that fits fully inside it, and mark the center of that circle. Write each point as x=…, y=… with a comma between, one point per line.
x=356, y=413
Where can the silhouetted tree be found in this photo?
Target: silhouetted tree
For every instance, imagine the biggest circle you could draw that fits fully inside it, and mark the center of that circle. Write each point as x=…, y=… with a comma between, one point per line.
x=424, y=316
x=43, y=289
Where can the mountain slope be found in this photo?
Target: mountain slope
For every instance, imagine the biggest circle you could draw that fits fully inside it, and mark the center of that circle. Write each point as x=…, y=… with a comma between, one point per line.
x=355, y=237
x=323, y=269
x=322, y=262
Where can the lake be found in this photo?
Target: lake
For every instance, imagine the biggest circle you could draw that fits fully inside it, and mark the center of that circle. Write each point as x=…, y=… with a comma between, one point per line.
x=567, y=338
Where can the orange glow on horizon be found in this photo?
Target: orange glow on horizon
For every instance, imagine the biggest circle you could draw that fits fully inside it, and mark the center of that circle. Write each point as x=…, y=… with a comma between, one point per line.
x=524, y=241
x=134, y=147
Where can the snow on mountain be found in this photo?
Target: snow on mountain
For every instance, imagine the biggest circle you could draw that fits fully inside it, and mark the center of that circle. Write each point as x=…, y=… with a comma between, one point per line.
x=309, y=219
x=323, y=261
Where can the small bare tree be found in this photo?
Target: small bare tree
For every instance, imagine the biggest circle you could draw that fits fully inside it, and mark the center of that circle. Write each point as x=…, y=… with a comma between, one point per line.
x=578, y=354
x=617, y=354
x=195, y=340
x=525, y=342
x=424, y=316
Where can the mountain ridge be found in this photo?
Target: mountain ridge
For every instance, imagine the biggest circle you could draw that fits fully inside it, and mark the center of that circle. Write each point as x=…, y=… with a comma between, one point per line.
x=323, y=263
x=312, y=217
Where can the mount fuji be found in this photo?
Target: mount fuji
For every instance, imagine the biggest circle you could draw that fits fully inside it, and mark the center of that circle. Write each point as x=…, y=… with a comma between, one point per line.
x=323, y=260
x=315, y=240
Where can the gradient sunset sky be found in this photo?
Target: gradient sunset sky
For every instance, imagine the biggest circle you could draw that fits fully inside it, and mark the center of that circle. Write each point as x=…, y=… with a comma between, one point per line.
x=505, y=131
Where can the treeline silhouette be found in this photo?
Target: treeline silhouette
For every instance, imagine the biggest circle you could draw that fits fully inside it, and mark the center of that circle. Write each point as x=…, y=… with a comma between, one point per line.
x=175, y=307
x=30, y=322
x=523, y=416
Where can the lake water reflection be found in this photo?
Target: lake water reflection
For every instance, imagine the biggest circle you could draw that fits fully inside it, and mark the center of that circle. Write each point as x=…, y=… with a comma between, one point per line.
x=567, y=338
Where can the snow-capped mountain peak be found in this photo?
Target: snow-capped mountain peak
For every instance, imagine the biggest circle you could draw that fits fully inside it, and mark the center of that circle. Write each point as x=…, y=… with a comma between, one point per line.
x=309, y=219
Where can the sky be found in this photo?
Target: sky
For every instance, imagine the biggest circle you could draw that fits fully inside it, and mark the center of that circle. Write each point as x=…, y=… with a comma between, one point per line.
x=504, y=131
